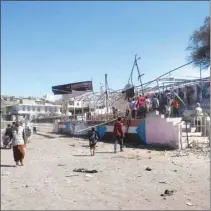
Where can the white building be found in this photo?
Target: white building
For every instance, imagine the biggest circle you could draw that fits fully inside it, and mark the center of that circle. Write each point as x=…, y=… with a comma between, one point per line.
x=31, y=111
x=31, y=108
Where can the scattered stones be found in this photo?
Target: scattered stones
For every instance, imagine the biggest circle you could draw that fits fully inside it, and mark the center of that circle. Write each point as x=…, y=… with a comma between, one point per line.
x=26, y=186
x=167, y=193
x=83, y=170
x=175, y=170
x=6, y=174
x=73, y=175
x=176, y=164
x=149, y=158
x=163, y=182
x=72, y=145
x=189, y=204
x=149, y=151
x=148, y=169
x=88, y=175
x=61, y=165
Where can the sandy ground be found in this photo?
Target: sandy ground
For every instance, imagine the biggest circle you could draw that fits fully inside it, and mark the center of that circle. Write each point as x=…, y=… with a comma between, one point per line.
x=47, y=181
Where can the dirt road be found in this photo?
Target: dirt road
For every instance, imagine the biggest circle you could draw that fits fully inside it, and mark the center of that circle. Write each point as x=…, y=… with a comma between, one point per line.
x=47, y=181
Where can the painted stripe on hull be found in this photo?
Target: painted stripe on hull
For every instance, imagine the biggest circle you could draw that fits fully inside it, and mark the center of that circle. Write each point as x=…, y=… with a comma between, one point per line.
x=130, y=130
x=132, y=123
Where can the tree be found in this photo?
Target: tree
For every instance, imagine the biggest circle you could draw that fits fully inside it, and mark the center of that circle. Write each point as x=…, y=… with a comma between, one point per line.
x=199, y=45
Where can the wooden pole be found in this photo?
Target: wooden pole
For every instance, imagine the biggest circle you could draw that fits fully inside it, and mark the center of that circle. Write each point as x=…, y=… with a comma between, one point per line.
x=96, y=125
x=106, y=92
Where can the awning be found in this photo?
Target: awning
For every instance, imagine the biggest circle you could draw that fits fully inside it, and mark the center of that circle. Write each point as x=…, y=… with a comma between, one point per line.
x=84, y=86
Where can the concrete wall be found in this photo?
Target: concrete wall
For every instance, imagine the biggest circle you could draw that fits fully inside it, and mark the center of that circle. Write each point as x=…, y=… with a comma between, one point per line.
x=161, y=132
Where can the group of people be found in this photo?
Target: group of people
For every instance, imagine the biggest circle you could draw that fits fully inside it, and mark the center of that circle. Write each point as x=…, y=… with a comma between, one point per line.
x=119, y=134
x=138, y=107
x=166, y=104
x=17, y=135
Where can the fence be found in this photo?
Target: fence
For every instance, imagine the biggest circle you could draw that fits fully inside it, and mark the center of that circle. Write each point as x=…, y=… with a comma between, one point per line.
x=196, y=129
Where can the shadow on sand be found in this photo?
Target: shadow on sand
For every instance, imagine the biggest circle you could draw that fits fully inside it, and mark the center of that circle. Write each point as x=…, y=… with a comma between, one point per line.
x=128, y=143
x=6, y=166
x=105, y=152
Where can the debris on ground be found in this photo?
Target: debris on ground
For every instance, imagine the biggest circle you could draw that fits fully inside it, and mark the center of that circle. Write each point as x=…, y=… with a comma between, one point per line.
x=180, y=154
x=83, y=170
x=167, y=193
x=176, y=164
x=149, y=151
x=163, y=182
x=148, y=169
x=88, y=175
x=61, y=165
x=6, y=174
x=189, y=204
x=73, y=175
x=72, y=145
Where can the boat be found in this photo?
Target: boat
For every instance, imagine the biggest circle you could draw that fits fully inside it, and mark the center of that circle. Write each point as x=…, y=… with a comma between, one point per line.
x=154, y=129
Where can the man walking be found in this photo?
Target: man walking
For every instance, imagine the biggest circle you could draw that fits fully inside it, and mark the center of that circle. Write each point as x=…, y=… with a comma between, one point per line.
x=93, y=139
x=119, y=134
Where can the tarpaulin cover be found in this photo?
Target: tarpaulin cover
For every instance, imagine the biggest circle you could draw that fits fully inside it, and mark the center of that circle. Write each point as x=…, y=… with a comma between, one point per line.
x=85, y=86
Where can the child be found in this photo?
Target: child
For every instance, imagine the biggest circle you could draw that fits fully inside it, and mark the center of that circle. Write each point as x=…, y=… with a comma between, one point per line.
x=94, y=137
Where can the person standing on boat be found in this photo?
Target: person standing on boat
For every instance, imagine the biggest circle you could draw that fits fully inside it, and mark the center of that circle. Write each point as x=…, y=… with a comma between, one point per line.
x=119, y=134
x=176, y=107
x=18, y=143
x=155, y=103
x=133, y=108
x=147, y=100
x=141, y=106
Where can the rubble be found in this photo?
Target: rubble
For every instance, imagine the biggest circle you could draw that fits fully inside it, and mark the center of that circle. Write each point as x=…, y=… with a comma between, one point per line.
x=148, y=169
x=83, y=170
x=167, y=193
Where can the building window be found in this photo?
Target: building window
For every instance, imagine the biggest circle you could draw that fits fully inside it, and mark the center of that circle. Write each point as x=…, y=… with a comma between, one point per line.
x=38, y=109
x=55, y=109
x=77, y=104
x=28, y=108
x=23, y=108
x=50, y=109
x=71, y=103
x=33, y=108
x=46, y=109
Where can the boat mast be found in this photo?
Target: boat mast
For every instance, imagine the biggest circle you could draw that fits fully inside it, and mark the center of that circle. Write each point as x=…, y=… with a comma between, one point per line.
x=139, y=75
x=106, y=92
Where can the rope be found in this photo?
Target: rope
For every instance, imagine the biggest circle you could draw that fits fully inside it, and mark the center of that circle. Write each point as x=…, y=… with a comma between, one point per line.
x=95, y=125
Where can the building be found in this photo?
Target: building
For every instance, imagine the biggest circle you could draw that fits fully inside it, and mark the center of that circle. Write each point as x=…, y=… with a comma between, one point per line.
x=28, y=108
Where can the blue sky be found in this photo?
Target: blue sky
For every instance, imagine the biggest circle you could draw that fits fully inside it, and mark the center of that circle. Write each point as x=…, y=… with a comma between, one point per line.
x=51, y=43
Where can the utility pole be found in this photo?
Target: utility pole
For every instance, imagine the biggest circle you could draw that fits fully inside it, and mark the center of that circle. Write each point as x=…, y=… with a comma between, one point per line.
x=106, y=92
